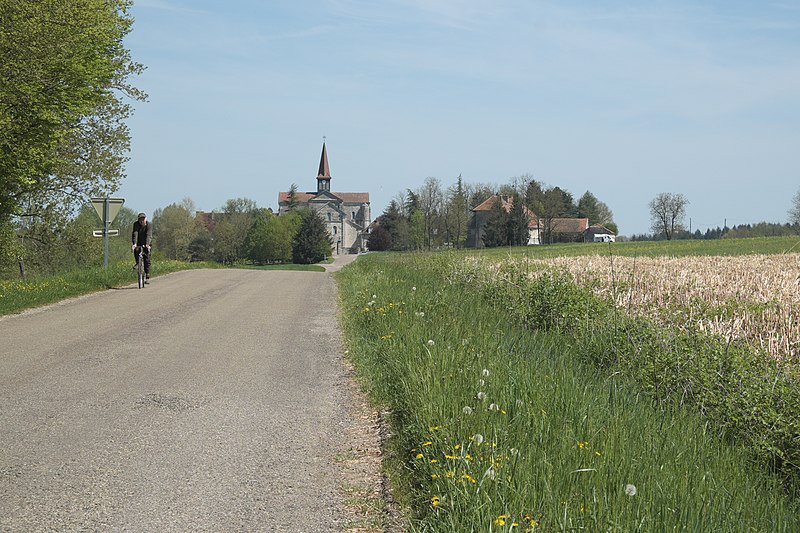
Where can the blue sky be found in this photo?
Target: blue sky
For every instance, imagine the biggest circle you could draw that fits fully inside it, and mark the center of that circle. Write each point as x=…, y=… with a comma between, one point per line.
x=625, y=99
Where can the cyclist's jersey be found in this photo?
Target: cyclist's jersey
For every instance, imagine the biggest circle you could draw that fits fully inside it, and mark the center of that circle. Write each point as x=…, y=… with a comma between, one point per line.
x=142, y=234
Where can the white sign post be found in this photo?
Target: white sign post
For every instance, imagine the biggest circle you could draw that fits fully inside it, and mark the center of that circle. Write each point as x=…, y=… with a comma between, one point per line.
x=107, y=209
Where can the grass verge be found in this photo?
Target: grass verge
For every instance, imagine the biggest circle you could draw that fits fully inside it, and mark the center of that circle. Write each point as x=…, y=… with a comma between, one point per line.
x=501, y=428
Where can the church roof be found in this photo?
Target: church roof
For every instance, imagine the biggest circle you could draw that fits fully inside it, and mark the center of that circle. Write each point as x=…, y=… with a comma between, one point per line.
x=324, y=169
x=304, y=197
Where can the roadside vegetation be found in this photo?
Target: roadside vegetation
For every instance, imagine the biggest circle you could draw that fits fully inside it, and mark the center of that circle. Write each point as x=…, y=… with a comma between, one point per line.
x=526, y=398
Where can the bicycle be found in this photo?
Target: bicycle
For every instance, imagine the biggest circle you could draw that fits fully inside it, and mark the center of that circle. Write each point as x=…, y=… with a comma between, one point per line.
x=140, y=266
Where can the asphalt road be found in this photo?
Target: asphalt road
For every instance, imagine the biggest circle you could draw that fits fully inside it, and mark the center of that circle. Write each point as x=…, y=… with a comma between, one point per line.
x=212, y=400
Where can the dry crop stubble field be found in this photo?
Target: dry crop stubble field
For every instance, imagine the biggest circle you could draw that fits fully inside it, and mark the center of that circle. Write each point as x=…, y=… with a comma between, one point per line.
x=749, y=297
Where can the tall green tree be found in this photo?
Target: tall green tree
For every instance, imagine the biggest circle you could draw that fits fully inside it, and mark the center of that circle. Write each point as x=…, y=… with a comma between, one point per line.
x=457, y=214
x=312, y=243
x=517, y=224
x=174, y=228
x=63, y=76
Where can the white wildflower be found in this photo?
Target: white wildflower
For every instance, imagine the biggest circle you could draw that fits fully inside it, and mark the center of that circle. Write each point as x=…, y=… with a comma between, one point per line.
x=486, y=372
x=478, y=438
x=481, y=382
x=467, y=410
x=494, y=407
x=490, y=473
x=630, y=490
x=481, y=396
x=430, y=342
x=413, y=288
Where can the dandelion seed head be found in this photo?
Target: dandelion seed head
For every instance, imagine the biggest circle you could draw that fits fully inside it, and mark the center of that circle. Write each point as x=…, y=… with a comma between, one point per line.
x=430, y=342
x=481, y=382
x=485, y=372
x=630, y=490
x=467, y=410
x=481, y=396
x=494, y=407
x=478, y=438
x=413, y=289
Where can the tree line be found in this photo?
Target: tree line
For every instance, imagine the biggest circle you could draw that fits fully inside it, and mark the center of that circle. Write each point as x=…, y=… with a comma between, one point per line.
x=433, y=216
x=240, y=231
x=668, y=217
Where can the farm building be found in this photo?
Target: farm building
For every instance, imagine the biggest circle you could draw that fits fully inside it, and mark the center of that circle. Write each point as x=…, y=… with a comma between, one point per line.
x=541, y=229
x=598, y=233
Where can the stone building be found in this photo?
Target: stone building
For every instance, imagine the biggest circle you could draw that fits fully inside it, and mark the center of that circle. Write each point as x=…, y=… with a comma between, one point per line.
x=346, y=214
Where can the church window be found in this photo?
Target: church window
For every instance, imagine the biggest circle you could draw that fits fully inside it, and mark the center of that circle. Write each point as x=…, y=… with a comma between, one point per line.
x=329, y=216
x=334, y=230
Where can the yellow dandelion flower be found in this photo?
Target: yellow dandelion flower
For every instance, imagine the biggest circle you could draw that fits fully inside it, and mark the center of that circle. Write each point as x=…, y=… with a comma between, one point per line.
x=435, y=501
x=582, y=444
x=419, y=456
x=434, y=461
x=500, y=520
x=597, y=454
x=435, y=476
x=428, y=443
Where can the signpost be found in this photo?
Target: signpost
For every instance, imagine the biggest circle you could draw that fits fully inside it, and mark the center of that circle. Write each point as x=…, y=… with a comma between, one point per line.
x=107, y=209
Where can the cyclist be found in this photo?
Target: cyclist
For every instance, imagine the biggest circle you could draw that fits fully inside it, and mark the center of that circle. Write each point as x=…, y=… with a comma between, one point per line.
x=141, y=237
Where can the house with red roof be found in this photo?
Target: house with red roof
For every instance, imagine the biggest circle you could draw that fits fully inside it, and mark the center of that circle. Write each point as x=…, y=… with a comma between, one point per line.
x=346, y=214
x=541, y=229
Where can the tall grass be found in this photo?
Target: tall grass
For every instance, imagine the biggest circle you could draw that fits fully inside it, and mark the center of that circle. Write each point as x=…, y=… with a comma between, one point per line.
x=499, y=428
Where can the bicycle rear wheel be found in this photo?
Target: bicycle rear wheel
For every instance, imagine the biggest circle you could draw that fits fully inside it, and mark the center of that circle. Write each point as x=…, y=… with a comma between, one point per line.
x=140, y=269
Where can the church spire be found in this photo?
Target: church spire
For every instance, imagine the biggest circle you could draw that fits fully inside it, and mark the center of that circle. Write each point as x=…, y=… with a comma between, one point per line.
x=324, y=173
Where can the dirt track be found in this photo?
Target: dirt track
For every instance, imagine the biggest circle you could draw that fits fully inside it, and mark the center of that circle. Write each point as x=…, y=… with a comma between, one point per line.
x=212, y=400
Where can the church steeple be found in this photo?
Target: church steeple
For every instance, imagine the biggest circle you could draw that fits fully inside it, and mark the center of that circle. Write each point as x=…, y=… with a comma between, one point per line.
x=324, y=173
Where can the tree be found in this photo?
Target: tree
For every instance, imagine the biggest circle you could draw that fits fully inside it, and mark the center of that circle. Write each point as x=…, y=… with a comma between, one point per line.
x=291, y=198
x=517, y=225
x=379, y=240
x=667, y=211
x=64, y=73
x=596, y=211
x=312, y=243
x=794, y=212
x=495, y=231
x=270, y=237
x=174, y=227
x=456, y=214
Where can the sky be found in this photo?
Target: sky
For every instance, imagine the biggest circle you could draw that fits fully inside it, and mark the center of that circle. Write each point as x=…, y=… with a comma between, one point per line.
x=624, y=99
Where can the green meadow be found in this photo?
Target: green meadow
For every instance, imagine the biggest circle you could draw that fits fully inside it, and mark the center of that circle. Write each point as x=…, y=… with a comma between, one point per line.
x=501, y=423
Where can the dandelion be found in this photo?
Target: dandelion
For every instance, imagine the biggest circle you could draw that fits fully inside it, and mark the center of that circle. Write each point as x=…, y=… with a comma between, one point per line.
x=430, y=342
x=582, y=444
x=500, y=520
x=478, y=438
x=468, y=478
x=486, y=372
x=630, y=490
x=427, y=443
x=481, y=382
x=374, y=296
x=420, y=314
x=413, y=289
x=419, y=456
x=481, y=396
x=514, y=451
x=490, y=473
x=493, y=407
x=467, y=410
x=435, y=501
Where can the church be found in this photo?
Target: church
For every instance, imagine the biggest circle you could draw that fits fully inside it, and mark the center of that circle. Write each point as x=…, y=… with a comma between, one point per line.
x=346, y=214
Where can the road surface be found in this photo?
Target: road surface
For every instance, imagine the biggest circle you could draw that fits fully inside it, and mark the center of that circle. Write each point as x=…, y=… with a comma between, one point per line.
x=212, y=400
